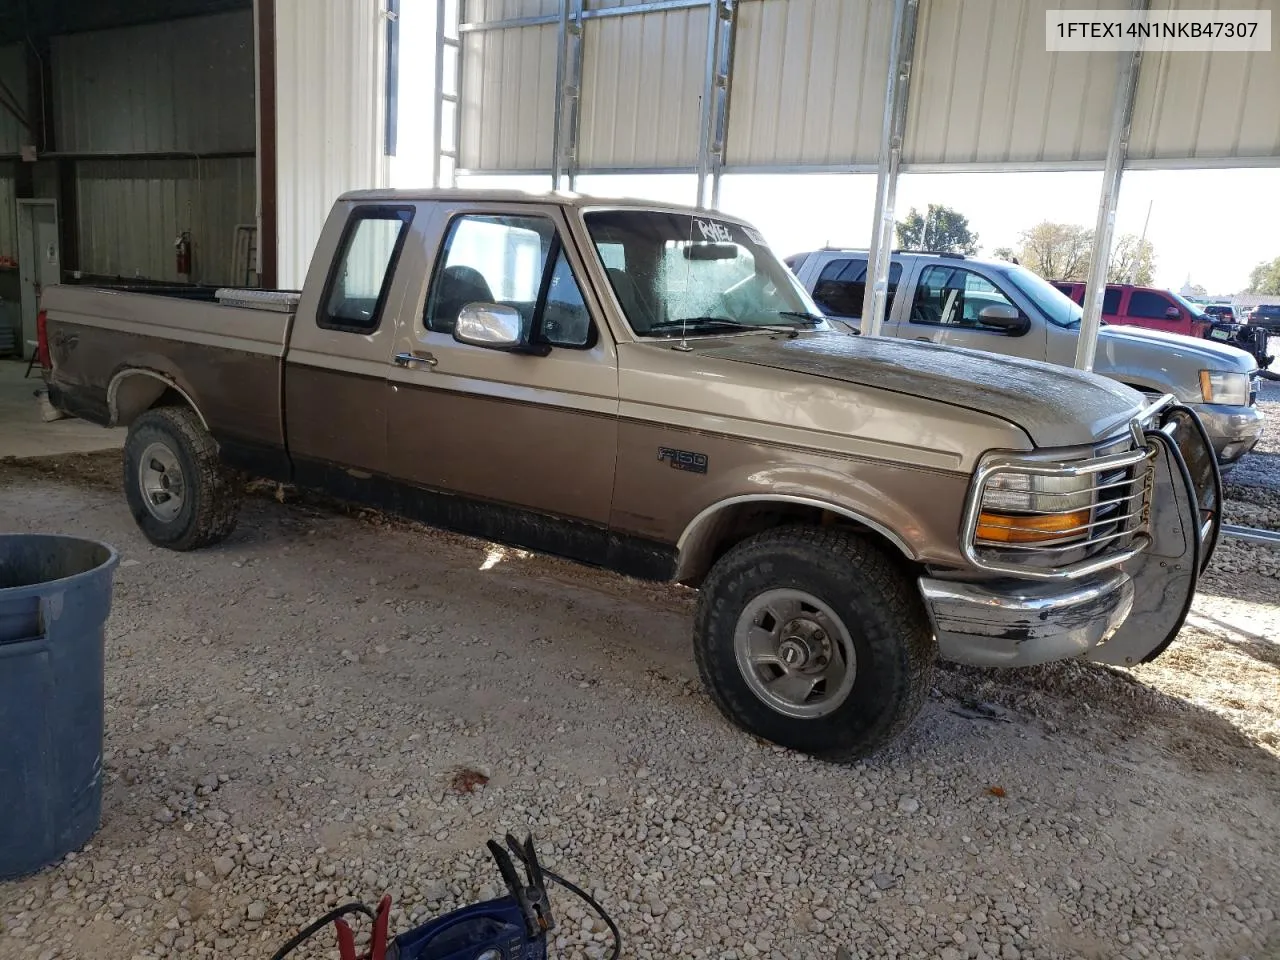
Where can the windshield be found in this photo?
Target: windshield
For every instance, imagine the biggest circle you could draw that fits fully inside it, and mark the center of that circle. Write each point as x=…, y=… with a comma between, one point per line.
x=675, y=273
x=1194, y=308
x=1056, y=306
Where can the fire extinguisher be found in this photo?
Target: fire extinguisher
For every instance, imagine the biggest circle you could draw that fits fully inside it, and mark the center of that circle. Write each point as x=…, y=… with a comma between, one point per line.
x=183, y=248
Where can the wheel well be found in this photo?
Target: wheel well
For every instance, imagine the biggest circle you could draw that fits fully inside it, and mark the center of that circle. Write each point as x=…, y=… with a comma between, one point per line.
x=135, y=393
x=731, y=525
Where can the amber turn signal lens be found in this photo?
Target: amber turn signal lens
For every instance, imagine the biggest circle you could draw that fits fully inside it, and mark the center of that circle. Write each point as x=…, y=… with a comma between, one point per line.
x=1011, y=528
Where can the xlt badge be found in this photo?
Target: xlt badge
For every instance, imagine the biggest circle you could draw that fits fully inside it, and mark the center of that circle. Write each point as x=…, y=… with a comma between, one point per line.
x=684, y=459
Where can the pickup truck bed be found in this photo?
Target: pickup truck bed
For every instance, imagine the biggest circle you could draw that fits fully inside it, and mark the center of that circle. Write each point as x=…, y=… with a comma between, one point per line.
x=127, y=348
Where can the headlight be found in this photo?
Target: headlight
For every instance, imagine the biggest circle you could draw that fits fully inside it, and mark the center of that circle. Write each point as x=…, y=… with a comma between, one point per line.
x=1026, y=508
x=1230, y=389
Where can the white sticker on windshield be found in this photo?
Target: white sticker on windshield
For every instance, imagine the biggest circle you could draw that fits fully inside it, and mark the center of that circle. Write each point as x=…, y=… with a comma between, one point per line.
x=754, y=237
x=715, y=232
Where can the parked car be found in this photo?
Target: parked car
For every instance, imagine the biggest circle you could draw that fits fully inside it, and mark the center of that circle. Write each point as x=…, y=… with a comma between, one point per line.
x=1148, y=307
x=1222, y=311
x=1004, y=308
x=647, y=388
x=1266, y=315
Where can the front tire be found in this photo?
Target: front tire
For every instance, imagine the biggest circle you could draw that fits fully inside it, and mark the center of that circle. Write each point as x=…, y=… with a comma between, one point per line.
x=814, y=639
x=180, y=494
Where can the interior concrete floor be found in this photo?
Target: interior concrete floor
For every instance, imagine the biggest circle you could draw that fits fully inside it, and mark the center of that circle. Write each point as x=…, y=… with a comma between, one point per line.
x=23, y=431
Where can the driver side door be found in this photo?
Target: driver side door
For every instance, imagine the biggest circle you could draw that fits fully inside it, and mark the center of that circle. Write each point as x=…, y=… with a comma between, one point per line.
x=948, y=304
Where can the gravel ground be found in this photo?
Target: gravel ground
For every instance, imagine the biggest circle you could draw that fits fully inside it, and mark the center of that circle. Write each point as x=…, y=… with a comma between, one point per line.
x=331, y=706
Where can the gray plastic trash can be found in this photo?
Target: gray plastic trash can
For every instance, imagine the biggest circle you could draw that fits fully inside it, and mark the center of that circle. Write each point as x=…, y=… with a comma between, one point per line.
x=55, y=594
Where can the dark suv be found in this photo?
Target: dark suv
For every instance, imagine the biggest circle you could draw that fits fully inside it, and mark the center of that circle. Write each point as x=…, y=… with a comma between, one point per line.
x=1266, y=315
x=1222, y=311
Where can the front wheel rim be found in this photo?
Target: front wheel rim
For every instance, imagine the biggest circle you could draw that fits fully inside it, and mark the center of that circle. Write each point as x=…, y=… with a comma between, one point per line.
x=161, y=482
x=795, y=653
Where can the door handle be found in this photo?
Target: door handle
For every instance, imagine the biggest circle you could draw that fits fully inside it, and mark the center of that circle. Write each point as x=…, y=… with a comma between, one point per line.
x=408, y=359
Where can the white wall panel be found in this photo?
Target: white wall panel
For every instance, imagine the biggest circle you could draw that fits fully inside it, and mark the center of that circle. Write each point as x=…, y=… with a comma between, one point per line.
x=643, y=78
x=983, y=89
x=131, y=211
x=13, y=71
x=487, y=11
x=1201, y=104
x=508, y=98
x=808, y=82
x=330, y=63
x=181, y=85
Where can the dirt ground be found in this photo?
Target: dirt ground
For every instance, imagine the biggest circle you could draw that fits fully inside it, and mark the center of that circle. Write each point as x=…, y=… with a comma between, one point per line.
x=288, y=715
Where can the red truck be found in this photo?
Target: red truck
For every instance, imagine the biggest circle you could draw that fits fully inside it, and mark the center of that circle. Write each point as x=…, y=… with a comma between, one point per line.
x=1145, y=307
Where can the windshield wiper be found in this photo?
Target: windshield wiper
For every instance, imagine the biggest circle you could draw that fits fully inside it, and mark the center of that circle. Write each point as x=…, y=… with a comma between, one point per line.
x=723, y=323
x=809, y=319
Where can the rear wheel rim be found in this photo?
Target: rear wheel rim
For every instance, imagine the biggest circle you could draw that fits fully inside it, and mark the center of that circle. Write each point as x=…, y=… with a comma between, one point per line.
x=161, y=482
x=795, y=653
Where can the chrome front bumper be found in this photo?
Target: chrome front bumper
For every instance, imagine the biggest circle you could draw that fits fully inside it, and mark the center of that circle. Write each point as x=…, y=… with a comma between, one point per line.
x=1019, y=623
x=1232, y=430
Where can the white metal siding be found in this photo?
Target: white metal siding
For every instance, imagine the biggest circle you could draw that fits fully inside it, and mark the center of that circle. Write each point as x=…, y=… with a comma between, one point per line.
x=983, y=89
x=132, y=211
x=487, y=11
x=643, y=78
x=508, y=98
x=13, y=71
x=1201, y=104
x=183, y=85
x=808, y=82
x=330, y=79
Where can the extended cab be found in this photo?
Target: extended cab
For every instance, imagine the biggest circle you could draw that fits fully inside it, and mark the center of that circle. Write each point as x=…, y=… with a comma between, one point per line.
x=1004, y=308
x=647, y=388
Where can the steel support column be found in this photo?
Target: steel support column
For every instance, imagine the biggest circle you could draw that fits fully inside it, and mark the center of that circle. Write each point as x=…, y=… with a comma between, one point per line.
x=568, y=113
x=448, y=94
x=715, y=101
x=897, y=86
x=1117, y=152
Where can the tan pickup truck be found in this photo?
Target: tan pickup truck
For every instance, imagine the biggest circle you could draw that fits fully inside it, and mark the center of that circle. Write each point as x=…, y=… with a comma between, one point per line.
x=648, y=388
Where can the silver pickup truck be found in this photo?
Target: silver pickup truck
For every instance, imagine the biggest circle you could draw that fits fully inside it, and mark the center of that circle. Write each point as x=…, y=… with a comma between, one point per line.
x=1004, y=308
x=647, y=388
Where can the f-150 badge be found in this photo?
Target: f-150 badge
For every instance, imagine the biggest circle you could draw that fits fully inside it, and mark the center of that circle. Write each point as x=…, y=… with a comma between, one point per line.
x=684, y=459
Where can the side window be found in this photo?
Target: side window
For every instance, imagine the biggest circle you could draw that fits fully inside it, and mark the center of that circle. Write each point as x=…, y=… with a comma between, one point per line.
x=843, y=283
x=505, y=260
x=953, y=296
x=1144, y=303
x=361, y=274
x=1111, y=302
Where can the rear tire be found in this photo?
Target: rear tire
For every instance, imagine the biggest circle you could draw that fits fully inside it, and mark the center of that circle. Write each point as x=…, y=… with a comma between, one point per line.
x=811, y=592
x=180, y=494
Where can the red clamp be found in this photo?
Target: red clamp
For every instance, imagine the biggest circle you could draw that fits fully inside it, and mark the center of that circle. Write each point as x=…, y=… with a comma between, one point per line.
x=377, y=943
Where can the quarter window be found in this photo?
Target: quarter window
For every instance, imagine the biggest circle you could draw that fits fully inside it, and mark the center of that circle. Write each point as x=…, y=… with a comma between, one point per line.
x=843, y=283
x=954, y=297
x=514, y=261
x=1143, y=303
x=1111, y=302
x=361, y=277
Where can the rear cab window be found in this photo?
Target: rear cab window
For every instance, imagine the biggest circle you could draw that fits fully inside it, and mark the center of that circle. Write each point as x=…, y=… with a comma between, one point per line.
x=356, y=289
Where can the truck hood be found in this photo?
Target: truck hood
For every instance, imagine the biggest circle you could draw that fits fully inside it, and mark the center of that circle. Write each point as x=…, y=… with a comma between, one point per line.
x=1121, y=346
x=1055, y=406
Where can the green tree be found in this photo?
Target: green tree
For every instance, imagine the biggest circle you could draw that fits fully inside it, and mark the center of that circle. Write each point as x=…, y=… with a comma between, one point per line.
x=939, y=228
x=1127, y=252
x=1004, y=253
x=1264, y=279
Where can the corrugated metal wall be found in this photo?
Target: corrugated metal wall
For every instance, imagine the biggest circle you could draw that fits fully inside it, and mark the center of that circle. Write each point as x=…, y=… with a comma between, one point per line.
x=8, y=212
x=508, y=98
x=132, y=211
x=182, y=85
x=329, y=106
x=487, y=11
x=13, y=71
x=642, y=83
x=808, y=82
x=984, y=89
x=1208, y=105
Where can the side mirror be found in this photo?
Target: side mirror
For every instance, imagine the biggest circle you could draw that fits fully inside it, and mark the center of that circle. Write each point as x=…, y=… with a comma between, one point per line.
x=1005, y=318
x=491, y=325
x=1173, y=313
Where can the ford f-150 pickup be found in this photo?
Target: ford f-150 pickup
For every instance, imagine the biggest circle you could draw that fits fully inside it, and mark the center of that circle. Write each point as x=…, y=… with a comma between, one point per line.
x=648, y=388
